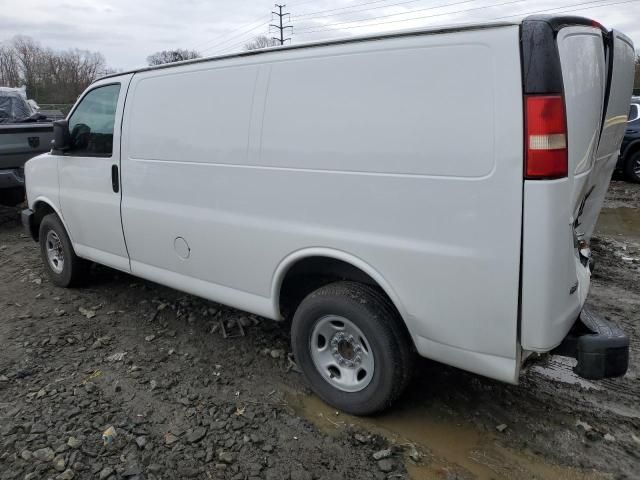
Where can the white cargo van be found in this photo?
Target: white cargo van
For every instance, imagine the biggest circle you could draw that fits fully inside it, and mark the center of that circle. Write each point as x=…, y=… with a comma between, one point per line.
x=428, y=191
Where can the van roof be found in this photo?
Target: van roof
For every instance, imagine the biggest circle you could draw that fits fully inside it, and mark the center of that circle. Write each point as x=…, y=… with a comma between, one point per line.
x=338, y=41
x=555, y=21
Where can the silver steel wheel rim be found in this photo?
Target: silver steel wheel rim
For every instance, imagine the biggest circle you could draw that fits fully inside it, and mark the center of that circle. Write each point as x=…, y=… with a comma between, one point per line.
x=636, y=167
x=55, y=254
x=341, y=353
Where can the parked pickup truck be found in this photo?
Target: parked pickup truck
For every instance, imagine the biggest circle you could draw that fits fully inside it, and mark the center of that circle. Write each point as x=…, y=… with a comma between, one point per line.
x=629, y=161
x=24, y=133
x=328, y=182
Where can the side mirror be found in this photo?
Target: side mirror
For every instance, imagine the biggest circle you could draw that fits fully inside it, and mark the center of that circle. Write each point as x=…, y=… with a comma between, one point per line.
x=61, y=137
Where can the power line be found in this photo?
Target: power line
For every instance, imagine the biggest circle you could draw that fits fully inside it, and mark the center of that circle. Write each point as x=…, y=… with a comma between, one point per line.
x=232, y=47
x=242, y=30
x=210, y=44
x=445, y=5
x=261, y=19
x=235, y=36
x=281, y=26
x=565, y=9
x=329, y=26
x=313, y=14
x=295, y=4
x=246, y=32
x=325, y=28
x=571, y=7
x=229, y=48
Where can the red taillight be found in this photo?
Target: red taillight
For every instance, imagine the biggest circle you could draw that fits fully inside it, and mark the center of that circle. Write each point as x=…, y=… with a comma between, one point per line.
x=546, y=137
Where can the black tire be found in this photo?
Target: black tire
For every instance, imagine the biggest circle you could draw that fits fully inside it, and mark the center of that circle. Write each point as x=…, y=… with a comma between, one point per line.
x=11, y=197
x=372, y=312
x=630, y=166
x=73, y=268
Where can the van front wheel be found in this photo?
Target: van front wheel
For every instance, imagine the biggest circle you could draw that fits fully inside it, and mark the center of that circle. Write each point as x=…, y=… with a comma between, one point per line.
x=64, y=268
x=351, y=345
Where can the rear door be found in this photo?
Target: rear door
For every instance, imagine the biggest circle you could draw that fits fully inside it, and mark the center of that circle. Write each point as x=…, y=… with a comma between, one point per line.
x=589, y=191
x=588, y=72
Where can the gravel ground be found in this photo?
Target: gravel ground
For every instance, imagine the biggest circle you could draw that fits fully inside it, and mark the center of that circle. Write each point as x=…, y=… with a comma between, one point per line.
x=189, y=396
x=153, y=363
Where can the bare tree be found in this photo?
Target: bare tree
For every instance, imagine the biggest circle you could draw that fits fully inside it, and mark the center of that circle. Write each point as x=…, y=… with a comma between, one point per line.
x=261, y=42
x=49, y=76
x=30, y=60
x=9, y=67
x=170, y=56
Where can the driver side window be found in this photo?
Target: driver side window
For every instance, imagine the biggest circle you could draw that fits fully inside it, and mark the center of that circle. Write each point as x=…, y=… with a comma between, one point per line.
x=91, y=124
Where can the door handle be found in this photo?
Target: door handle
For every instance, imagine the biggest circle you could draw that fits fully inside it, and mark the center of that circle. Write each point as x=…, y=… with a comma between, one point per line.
x=115, y=180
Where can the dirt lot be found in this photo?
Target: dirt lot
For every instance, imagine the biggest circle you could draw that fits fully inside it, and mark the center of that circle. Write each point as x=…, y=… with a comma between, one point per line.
x=186, y=402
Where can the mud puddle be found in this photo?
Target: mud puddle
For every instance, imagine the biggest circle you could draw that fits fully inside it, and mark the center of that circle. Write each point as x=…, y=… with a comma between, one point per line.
x=448, y=449
x=619, y=222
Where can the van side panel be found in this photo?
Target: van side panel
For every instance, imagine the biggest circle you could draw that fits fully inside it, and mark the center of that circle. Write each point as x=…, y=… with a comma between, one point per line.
x=198, y=116
x=395, y=152
x=398, y=107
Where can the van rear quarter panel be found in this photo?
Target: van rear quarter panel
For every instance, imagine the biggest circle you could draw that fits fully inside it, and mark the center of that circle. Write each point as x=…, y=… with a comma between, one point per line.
x=404, y=153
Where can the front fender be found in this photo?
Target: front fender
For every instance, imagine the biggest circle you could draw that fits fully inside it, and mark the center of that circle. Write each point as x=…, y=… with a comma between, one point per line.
x=41, y=180
x=37, y=206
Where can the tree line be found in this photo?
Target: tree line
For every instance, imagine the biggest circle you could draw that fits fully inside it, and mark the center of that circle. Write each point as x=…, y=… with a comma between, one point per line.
x=179, y=55
x=49, y=76
x=60, y=76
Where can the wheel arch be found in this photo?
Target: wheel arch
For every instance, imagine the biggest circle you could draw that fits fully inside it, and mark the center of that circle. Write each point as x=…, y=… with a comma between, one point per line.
x=630, y=149
x=43, y=206
x=327, y=265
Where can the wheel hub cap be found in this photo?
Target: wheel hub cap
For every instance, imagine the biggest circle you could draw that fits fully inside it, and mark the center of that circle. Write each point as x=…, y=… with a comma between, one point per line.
x=341, y=353
x=55, y=253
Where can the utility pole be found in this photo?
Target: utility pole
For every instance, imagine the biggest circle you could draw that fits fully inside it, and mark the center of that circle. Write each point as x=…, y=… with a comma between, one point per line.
x=281, y=27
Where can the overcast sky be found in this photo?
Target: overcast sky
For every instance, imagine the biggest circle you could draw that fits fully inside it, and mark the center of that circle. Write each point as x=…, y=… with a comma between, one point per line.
x=127, y=31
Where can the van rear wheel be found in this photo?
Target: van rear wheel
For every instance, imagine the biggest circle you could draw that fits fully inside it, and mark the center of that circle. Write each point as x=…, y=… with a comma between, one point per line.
x=64, y=268
x=352, y=346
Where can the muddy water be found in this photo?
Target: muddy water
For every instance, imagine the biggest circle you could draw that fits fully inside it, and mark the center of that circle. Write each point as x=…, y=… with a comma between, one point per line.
x=449, y=449
x=619, y=222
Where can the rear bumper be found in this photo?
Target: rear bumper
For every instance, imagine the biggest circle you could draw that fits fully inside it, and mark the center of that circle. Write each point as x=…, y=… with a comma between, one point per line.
x=601, y=348
x=13, y=177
